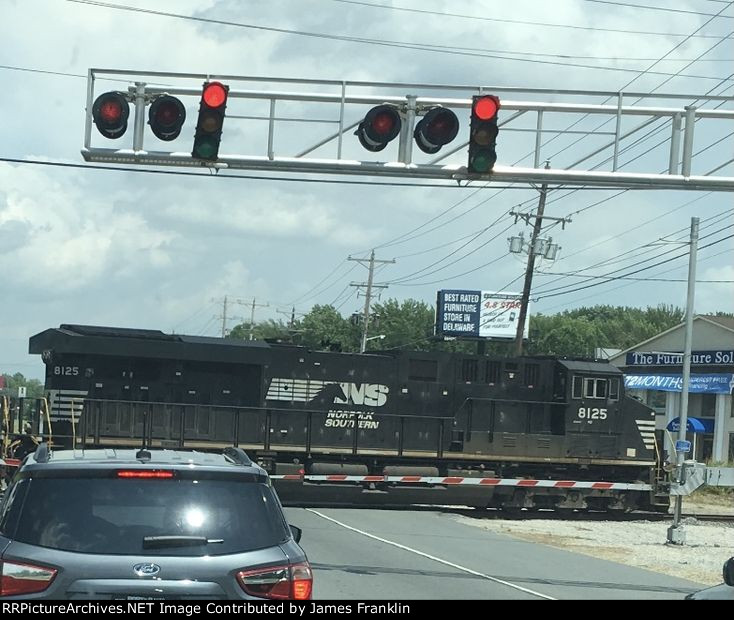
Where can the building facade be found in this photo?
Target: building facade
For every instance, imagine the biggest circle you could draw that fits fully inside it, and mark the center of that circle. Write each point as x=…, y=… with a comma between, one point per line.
x=653, y=373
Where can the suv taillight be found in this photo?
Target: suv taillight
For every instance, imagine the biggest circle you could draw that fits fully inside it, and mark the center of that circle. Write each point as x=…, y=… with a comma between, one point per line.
x=17, y=578
x=293, y=582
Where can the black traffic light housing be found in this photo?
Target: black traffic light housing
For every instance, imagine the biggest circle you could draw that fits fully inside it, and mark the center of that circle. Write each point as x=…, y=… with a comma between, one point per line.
x=483, y=133
x=110, y=113
x=209, y=124
x=380, y=126
x=439, y=126
x=166, y=117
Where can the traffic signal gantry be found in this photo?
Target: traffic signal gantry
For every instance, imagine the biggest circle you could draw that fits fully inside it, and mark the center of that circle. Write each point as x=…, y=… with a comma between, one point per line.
x=277, y=128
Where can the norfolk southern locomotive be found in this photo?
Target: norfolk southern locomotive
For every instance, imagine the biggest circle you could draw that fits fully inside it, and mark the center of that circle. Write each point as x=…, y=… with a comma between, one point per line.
x=387, y=427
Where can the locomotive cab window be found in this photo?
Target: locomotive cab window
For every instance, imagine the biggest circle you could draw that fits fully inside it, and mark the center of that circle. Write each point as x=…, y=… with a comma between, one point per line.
x=614, y=389
x=595, y=388
x=578, y=383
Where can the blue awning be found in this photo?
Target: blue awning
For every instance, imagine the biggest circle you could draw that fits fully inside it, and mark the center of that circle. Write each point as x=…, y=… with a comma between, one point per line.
x=693, y=425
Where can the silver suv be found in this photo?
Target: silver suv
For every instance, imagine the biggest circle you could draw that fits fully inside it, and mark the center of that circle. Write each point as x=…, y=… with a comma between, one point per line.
x=147, y=524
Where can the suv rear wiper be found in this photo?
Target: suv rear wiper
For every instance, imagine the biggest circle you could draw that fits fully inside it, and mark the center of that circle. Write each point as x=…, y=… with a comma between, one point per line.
x=158, y=542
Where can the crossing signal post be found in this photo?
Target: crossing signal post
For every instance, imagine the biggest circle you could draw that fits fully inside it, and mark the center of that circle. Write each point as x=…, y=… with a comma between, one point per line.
x=110, y=113
x=209, y=124
x=483, y=133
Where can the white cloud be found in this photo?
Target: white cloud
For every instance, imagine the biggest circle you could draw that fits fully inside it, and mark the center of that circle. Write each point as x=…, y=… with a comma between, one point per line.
x=153, y=250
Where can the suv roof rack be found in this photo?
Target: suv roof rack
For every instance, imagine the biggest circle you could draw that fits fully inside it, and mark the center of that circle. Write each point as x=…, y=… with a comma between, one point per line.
x=238, y=455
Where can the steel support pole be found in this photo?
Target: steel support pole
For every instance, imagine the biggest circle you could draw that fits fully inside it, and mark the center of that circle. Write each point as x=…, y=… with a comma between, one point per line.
x=139, y=128
x=676, y=534
x=676, y=125
x=688, y=140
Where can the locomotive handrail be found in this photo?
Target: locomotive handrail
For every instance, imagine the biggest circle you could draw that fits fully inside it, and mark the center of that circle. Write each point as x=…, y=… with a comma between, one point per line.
x=287, y=410
x=94, y=407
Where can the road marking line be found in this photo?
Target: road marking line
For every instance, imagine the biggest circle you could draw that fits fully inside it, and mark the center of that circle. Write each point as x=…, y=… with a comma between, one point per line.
x=431, y=557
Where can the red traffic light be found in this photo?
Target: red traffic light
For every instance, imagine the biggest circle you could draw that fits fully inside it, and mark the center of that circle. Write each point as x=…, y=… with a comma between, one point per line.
x=438, y=127
x=483, y=133
x=209, y=124
x=485, y=108
x=380, y=126
x=110, y=113
x=166, y=117
x=215, y=94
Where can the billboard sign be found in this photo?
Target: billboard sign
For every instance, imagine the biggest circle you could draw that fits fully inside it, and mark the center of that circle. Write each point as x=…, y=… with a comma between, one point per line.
x=668, y=358
x=478, y=314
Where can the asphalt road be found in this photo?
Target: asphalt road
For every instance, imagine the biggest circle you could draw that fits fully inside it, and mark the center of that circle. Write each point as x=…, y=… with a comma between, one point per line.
x=400, y=555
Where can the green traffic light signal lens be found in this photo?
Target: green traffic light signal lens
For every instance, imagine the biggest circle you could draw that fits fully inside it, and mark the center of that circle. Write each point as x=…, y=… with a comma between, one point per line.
x=483, y=161
x=206, y=148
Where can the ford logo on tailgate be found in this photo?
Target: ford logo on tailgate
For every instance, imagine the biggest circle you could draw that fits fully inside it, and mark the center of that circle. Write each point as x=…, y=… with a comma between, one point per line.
x=146, y=570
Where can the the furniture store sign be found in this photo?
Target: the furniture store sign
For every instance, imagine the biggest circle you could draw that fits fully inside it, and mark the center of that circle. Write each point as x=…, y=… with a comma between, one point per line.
x=663, y=358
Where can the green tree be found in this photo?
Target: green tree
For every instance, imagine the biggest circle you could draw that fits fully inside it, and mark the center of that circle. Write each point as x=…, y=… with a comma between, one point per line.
x=579, y=331
x=270, y=329
x=34, y=388
x=323, y=328
x=405, y=325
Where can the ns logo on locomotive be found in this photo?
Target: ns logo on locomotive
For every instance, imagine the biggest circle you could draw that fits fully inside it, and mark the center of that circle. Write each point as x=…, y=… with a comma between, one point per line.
x=423, y=427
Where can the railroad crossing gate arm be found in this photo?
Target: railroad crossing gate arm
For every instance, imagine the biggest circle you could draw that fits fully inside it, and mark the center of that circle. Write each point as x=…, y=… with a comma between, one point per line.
x=695, y=475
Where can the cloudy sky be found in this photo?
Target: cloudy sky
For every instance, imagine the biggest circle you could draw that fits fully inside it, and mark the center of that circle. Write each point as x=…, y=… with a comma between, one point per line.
x=134, y=249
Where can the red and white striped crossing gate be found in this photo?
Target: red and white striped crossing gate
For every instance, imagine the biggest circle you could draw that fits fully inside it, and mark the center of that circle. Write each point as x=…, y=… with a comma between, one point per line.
x=453, y=481
x=459, y=480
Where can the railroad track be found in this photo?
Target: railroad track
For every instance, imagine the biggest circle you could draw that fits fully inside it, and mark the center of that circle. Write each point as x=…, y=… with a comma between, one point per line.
x=525, y=514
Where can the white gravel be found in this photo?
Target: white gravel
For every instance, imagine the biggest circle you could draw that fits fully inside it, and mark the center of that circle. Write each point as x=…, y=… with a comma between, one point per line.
x=635, y=543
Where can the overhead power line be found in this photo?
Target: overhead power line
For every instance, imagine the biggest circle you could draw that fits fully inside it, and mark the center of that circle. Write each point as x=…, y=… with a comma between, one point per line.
x=368, y=41
x=594, y=284
x=659, y=8
x=614, y=288
x=513, y=21
x=576, y=275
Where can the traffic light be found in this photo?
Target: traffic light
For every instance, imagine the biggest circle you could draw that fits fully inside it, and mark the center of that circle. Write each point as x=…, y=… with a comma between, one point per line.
x=483, y=133
x=438, y=127
x=381, y=125
x=110, y=112
x=166, y=117
x=209, y=125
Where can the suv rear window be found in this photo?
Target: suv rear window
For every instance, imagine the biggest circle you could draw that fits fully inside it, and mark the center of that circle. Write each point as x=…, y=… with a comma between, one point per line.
x=113, y=515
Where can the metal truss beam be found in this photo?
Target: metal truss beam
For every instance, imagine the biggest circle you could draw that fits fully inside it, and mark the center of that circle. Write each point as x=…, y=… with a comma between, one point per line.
x=527, y=126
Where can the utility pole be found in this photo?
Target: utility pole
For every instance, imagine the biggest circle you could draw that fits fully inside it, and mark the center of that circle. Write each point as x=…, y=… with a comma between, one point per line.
x=224, y=318
x=368, y=294
x=536, y=246
x=676, y=534
x=529, y=269
x=252, y=316
x=291, y=316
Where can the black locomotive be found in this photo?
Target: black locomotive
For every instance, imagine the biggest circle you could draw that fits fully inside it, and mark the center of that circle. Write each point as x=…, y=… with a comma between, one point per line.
x=391, y=423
